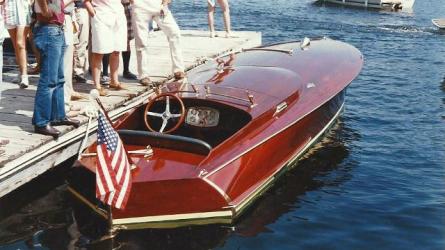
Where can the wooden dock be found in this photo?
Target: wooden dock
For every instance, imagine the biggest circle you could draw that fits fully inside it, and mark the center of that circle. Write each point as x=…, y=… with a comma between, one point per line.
x=28, y=155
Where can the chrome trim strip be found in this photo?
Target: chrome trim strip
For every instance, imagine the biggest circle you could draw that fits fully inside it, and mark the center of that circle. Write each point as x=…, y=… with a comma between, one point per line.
x=280, y=107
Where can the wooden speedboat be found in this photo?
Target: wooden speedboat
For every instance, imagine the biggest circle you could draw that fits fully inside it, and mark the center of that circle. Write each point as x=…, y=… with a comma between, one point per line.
x=376, y=4
x=239, y=122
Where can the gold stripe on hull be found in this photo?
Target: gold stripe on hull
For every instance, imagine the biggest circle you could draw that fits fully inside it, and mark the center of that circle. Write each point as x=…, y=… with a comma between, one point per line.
x=175, y=220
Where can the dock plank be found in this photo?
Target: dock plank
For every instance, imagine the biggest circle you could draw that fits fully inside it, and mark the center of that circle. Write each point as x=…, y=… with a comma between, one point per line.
x=29, y=155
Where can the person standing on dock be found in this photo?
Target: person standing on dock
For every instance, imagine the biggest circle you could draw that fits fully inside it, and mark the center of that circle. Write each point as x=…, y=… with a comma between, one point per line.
x=109, y=35
x=17, y=18
x=144, y=11
x=69, y=28
x=81, y=42
x=226, y=14
x=50, y=41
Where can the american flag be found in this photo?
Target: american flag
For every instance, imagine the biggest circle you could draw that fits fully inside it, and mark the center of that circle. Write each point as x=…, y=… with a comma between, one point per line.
x=113, y=171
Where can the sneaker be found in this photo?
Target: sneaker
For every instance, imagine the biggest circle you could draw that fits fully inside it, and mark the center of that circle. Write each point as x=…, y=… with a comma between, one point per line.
x=104, y=80
x=229, y=34
x=129, y=76
x=24, y=82
x=145, y=81
x=179, y=75
x=212, y=34
x=16, y=80
x=79, y=79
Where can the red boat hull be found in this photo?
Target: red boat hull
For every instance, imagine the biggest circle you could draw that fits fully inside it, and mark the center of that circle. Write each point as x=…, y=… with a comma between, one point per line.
x=176, y=188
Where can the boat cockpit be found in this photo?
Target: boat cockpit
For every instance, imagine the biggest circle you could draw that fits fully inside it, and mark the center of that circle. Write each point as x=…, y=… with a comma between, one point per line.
x=185, y=123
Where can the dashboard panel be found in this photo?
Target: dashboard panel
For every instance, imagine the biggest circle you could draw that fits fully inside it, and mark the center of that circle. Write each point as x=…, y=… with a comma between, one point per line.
x=204, y=117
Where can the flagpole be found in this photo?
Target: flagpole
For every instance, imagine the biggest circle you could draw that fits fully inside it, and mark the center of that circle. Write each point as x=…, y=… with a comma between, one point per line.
x=95, y=94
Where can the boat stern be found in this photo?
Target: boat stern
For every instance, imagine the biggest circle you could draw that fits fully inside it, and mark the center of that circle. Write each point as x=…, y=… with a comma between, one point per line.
x=158, y=204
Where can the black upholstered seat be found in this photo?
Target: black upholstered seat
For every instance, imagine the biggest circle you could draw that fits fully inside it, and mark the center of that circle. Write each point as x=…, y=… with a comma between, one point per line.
x=174, y=142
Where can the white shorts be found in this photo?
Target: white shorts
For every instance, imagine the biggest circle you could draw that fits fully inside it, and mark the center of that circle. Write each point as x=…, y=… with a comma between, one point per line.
x=109, y=32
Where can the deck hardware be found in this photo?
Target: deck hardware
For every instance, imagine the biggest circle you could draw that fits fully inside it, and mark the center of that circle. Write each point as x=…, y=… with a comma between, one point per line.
x=228, y=207
x=250, y=96
x=249, y=100
x=147, y=152
x=305, y=43
x=203, y=172
x=310, y=85
x=280, y=107
x=157, y=90
x=194, y=88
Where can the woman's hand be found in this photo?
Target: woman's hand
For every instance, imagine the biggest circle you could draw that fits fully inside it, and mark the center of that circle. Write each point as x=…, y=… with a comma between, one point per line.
x=46, y=13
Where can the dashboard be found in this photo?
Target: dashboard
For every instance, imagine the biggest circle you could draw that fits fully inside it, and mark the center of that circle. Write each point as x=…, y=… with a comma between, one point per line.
x=204, y=117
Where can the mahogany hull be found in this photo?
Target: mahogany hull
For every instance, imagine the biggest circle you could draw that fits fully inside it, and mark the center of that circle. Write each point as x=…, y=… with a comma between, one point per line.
x=222, y=196
x=295, y=96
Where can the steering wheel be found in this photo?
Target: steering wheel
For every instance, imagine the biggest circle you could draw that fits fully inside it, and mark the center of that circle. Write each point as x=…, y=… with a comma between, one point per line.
x=166, y=115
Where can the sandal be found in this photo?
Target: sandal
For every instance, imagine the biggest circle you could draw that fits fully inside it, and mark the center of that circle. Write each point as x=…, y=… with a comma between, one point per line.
x=102, y=91
x=117, y=86
x=75, y=96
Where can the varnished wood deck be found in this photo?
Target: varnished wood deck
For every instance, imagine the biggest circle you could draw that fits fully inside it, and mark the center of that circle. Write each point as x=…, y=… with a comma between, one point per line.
x=28, y=154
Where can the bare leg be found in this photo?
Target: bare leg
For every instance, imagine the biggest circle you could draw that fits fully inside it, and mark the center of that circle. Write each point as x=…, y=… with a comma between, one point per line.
x=18, y=36
x=13, y=36
x=226, y=14
x=96, y=63
x=211, y=12
x=114, y=67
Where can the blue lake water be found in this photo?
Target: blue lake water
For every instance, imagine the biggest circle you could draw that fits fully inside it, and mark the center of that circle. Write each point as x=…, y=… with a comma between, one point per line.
x=376, y=182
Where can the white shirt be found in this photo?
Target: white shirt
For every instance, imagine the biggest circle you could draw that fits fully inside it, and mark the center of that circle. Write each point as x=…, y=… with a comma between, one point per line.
x=109, y=5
